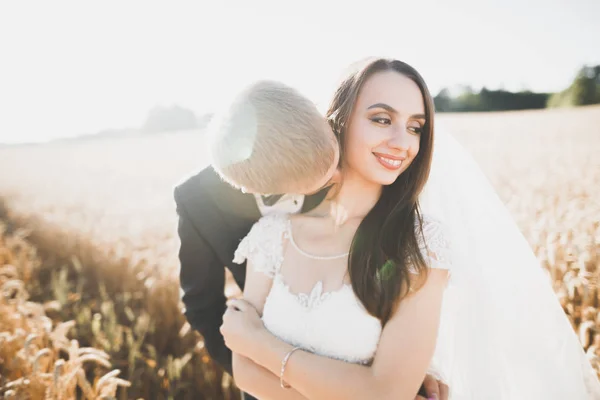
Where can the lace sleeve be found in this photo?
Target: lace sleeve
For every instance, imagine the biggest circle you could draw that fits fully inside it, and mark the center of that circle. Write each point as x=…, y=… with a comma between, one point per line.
x=434, y=244
x=263, y=245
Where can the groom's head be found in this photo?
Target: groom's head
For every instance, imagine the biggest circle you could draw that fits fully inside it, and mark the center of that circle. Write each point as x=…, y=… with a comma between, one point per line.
x=271, y=140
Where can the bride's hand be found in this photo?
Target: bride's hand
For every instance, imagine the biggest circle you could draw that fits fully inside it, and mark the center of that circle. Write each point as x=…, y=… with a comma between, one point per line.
x=241, y=327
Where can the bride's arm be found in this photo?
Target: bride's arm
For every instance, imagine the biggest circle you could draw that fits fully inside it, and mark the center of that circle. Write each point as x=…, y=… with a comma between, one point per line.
x=260, y=382
x=249, y=376
x=403, y=356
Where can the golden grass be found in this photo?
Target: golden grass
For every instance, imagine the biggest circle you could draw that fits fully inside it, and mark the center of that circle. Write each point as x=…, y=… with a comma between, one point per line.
x=119, y=323
x=32, y=366
x=102, y=215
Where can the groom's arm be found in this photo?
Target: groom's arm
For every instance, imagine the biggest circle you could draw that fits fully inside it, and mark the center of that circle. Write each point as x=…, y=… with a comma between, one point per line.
x=202, y=280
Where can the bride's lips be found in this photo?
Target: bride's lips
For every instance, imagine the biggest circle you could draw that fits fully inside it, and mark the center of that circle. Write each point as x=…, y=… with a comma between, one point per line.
x=392, y=163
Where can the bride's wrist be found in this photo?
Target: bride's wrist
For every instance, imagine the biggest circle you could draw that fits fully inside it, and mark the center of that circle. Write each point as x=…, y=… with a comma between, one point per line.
x=260, y=340
x=270, y=351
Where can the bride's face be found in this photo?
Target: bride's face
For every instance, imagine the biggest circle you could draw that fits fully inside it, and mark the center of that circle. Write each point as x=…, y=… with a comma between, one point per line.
x=385, y=126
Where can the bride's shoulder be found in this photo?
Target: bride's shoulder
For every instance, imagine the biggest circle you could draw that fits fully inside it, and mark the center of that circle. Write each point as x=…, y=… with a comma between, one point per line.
x=434, y=241
x=263, y=244
x=271, y=222
x=268, y=228
x=430, y=225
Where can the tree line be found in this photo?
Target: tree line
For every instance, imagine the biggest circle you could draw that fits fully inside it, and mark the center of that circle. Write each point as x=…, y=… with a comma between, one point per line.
x=584, y=90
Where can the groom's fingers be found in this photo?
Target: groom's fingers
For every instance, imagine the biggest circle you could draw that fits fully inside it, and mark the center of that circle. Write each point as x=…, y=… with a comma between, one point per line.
x=431, y=387
x=444, y=392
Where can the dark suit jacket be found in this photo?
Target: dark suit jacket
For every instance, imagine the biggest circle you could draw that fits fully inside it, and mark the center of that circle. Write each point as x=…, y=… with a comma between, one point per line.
x=213, y=218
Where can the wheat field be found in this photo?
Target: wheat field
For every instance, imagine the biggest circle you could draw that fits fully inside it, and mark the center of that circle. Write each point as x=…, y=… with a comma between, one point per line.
x=102, y=249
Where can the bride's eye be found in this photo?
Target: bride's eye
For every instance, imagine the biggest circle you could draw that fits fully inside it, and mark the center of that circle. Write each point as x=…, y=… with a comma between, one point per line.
x=382, y=120
x=416, y=129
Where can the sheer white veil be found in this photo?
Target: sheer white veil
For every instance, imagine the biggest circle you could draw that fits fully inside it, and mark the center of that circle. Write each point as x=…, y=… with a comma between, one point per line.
x=503, y=334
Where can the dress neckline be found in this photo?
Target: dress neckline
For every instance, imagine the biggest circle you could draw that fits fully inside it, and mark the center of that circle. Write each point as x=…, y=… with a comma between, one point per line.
x=316, y=296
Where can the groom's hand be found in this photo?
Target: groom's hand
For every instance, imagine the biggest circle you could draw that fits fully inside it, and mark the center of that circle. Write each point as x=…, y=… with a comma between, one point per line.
x=434, y=389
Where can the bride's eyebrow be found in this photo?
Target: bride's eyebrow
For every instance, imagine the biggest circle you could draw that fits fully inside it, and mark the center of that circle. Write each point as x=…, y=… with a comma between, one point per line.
x=392, y=110
x=386, y=107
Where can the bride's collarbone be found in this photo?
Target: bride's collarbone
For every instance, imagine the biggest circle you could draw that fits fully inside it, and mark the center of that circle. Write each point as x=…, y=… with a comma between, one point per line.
x=319, y=235
x=316, y=253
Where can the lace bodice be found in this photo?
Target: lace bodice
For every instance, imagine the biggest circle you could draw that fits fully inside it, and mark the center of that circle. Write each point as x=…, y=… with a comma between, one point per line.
x=333, y=324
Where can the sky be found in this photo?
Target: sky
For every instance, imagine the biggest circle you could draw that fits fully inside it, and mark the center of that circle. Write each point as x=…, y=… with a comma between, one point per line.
x=69, y=67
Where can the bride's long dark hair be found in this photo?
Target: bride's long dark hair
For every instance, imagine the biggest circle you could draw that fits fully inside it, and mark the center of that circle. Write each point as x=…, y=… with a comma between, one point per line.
x=385, y=243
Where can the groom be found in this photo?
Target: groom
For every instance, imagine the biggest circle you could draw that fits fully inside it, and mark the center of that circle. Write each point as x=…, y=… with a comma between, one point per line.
x=292, y=151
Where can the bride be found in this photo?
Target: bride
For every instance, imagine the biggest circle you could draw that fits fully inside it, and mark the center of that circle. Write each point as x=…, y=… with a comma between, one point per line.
x=411, y=266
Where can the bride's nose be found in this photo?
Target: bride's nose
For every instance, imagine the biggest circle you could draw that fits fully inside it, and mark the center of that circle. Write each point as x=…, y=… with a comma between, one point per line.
x=400, y=139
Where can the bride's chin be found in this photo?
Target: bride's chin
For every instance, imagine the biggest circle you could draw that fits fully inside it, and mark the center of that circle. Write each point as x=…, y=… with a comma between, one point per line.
x=385, y=179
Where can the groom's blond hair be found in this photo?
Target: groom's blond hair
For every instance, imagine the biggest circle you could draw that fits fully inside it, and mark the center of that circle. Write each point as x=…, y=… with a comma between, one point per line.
x=271, y=139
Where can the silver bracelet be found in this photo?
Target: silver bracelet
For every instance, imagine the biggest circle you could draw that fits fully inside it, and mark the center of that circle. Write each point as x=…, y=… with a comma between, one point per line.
x=283, y=384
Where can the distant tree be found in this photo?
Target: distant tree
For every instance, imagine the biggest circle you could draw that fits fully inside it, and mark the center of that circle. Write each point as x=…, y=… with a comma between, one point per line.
x=584, y=90
x=561, y=99
x=172, y=118
x=584, y=87
x=489, y=100
x=468, y=100
x=443, y=101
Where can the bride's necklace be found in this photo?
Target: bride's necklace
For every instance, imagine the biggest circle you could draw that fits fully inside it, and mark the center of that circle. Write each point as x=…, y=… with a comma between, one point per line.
x=314, y=257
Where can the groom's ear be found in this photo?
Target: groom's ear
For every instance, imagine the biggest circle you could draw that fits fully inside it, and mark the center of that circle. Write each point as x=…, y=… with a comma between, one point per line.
x=336, y=178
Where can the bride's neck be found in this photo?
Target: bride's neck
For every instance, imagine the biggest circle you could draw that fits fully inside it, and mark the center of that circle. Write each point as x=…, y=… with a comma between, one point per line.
x=355, y=197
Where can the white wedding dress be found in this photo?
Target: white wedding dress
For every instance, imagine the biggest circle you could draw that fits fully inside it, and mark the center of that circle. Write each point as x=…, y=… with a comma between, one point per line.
x=333, y=324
